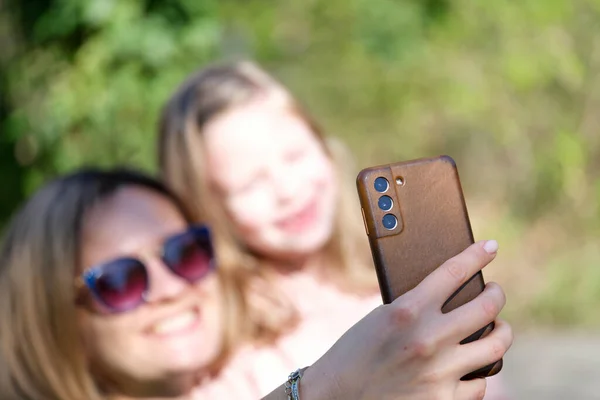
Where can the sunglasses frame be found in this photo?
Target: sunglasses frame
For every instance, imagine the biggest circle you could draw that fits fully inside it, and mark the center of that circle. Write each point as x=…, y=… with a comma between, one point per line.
x=90, y=276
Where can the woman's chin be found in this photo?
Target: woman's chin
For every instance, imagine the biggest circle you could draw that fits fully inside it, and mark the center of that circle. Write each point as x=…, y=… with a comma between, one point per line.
x=185, y=366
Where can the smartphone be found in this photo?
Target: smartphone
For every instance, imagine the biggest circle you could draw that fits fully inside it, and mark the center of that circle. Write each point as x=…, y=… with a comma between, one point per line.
x=416, y=218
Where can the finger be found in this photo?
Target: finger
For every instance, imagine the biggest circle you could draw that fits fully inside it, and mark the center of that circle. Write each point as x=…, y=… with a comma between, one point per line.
x=452, y=274
x=479, y=312
x=471, y=390
x=480, y=353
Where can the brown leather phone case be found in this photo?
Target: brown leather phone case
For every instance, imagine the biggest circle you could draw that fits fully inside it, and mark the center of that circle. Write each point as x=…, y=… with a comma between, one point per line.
x=432, y=225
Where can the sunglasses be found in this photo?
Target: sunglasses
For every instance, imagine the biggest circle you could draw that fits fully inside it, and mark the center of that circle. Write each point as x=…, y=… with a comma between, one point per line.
x=122, y=284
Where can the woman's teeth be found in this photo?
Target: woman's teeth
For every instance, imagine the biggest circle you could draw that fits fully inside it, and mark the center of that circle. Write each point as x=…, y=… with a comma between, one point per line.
x=176, y=323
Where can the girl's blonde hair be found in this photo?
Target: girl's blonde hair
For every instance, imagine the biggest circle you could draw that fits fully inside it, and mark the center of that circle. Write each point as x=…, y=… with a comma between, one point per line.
x=261, y=311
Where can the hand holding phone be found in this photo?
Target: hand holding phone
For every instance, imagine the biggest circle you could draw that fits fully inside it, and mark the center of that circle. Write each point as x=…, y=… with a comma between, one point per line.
x=416, y=219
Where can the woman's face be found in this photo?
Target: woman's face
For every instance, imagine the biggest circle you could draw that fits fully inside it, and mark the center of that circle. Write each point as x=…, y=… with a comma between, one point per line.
x=178, y=328
x=278, y=183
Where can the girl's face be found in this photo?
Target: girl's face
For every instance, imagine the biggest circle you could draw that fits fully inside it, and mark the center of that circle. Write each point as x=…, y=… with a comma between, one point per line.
x=177, y=329
x=278, y=184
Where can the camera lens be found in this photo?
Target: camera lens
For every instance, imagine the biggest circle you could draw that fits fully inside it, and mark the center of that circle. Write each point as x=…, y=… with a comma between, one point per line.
x=389, y=221
x=381, y=184
x=385, y=203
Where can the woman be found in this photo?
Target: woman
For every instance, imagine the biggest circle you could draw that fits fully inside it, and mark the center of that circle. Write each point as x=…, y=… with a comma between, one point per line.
x=244, y=156
x=78, y=270
x=107, y=291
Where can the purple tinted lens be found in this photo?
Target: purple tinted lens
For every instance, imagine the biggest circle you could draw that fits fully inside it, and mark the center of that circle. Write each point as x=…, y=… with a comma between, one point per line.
x=190, y=255
x=121, y=284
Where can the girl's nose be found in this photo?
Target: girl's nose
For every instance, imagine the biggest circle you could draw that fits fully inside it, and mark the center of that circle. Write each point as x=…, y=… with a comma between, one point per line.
x=287, y=186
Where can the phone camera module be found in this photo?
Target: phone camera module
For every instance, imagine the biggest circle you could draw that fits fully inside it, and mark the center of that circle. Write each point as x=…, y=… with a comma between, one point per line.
x=390, y=222
x=385, y=203
x=381, y=184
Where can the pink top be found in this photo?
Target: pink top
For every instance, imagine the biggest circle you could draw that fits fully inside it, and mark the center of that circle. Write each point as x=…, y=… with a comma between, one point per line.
x=325, y=314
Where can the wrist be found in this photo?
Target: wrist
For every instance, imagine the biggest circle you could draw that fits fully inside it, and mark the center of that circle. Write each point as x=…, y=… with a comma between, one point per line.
x=317, y=384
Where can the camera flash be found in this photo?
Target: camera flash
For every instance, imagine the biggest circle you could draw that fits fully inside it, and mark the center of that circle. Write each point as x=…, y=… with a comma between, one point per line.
x=400, y=181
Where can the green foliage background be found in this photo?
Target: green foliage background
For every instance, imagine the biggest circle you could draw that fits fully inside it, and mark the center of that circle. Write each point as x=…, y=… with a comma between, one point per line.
x=510, y=89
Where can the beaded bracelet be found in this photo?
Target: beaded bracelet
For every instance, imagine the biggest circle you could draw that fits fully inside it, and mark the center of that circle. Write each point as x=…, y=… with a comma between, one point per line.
x=291, y=386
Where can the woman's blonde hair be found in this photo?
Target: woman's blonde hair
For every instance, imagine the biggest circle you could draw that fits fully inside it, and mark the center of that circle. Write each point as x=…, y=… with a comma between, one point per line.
x=262, y=312
x=41, y=350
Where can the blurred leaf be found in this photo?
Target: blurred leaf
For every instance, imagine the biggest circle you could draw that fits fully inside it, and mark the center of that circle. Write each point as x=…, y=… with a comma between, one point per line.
x=98, y=13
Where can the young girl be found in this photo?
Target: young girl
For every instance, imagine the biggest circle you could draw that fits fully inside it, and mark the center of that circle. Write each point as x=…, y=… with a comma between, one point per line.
x=108, y=291
x=247, y=158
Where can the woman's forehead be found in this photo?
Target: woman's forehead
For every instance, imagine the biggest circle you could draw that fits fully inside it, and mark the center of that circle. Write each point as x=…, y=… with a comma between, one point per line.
x=132, y=219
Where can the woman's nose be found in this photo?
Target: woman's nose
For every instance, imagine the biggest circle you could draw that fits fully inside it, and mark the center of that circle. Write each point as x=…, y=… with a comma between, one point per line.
x=164, y=284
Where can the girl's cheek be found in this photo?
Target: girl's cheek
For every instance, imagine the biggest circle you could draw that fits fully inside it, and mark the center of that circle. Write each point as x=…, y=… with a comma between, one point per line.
x=318, y=169
x=251, y=211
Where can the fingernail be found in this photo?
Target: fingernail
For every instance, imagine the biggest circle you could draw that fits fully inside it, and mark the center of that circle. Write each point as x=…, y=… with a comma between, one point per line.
x=491, y=246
